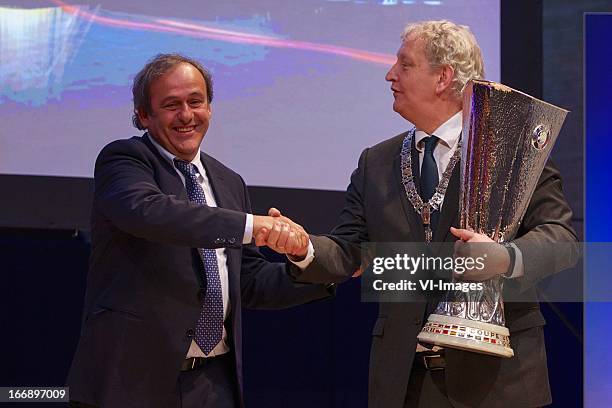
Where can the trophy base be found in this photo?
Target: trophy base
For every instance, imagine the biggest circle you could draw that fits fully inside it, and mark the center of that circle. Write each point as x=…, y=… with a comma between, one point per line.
x=468, y=335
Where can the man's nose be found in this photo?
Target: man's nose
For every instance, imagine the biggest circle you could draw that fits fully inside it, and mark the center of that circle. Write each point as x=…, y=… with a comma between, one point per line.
x=391, y=74
x=185, y=114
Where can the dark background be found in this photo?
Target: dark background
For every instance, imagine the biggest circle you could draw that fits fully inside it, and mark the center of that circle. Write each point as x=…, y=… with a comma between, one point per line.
x=315, y=355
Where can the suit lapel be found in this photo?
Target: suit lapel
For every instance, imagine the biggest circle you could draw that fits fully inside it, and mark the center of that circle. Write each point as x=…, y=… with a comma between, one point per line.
x=416, y=233
x=416, y=169
x=171, y=185
x=216, y=180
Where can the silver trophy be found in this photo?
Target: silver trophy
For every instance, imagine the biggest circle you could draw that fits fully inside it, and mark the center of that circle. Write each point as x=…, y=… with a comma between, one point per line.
x=507, y=138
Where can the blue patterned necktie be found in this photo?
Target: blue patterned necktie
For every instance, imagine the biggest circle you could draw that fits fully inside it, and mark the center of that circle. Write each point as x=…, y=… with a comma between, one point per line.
x=209, y=328
x=429, y=176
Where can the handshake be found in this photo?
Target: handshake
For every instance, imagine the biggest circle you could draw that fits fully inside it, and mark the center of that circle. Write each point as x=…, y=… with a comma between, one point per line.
x=280, y=234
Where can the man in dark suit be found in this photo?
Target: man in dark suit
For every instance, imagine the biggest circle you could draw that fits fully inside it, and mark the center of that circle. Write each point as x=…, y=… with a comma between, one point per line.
x=172, y=261
x=434, y=62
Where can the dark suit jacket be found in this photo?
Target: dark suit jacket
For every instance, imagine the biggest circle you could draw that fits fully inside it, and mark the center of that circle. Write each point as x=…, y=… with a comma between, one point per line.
x=144, y=288
x=377, y=210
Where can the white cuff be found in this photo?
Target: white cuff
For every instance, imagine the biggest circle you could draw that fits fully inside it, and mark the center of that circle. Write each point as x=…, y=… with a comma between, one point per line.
x=519, y=268
x=248, y=230
x=303, y=264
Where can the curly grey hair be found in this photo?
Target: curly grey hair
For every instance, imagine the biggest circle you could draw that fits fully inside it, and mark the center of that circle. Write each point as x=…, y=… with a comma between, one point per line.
x=447, y=43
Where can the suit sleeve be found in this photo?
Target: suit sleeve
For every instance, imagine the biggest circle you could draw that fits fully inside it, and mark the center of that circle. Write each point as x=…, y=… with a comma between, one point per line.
x=338, y=255
x=546, y=238
x=268, y=285
x=127, y=194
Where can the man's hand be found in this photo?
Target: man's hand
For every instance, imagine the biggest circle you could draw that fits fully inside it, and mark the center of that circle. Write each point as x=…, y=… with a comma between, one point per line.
x=281, y=234
x=474, y=245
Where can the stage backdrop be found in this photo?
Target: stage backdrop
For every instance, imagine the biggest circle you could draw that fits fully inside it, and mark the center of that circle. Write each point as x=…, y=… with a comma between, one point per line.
x=299, y=85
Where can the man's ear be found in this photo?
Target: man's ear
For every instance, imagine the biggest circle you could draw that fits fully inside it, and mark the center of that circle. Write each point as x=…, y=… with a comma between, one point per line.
x=445, y=79
x=143, y=117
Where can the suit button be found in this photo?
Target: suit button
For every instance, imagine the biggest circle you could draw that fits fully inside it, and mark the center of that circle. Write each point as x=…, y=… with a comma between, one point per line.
x=417, y=321
x=232, y=240
x=190, y=333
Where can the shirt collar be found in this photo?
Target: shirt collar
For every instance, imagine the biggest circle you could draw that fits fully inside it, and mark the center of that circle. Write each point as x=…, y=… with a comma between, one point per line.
x=448, y=132
x=170, y=157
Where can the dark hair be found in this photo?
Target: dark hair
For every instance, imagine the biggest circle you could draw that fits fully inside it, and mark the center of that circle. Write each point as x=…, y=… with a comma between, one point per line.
x=156, y=67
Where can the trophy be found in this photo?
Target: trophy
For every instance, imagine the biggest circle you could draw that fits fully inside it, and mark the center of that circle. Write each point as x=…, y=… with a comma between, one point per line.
x=506, y=140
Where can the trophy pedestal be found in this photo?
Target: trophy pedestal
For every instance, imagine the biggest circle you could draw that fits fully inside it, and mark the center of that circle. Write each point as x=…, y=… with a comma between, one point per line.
x=468, y=335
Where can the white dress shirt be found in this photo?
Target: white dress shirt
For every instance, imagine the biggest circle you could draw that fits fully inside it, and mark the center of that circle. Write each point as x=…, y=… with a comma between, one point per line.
x=222, y=347
x=449, y=134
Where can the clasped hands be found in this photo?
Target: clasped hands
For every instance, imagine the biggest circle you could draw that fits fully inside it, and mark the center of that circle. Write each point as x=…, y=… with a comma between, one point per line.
x=280, y=234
